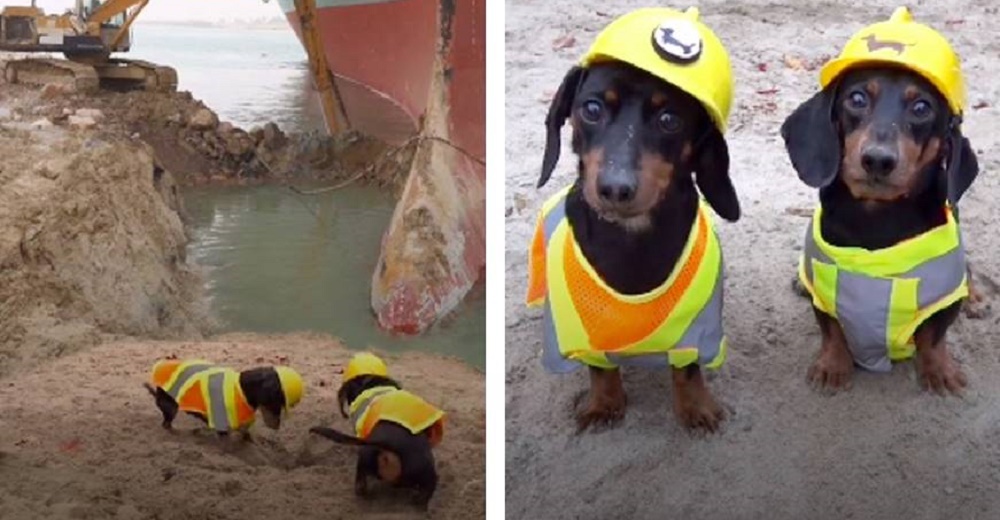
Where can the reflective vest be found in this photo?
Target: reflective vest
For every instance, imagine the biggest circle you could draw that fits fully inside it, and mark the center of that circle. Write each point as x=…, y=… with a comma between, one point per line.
x=387, y=403
x=586, y=321
x=880, y=297
x=202, y=387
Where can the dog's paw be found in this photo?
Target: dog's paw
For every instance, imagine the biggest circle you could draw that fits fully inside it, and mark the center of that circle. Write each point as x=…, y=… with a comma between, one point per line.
x=831, y=371
x=941, y=374
x=799, y=288
x=701, y=414
x=600, y=414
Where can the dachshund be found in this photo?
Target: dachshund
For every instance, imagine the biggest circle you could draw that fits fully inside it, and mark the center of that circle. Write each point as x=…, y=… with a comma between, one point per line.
x=887, y=155
x=389, y=450
x=645, y=148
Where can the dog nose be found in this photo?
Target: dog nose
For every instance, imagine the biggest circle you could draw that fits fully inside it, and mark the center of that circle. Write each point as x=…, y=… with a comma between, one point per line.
x=617, y=189
x=879, y=161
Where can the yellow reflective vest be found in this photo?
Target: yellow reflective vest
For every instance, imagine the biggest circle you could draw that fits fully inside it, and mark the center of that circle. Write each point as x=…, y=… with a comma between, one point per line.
x=586, y=321
x=388, y=403
x=880, y=297
x=204, y=388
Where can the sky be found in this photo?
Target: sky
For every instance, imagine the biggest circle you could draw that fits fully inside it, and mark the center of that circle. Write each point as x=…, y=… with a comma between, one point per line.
x=180, y=10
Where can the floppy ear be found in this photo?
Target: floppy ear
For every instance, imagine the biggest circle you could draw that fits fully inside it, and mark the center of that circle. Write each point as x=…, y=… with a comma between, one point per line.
x=711, y=168
x=962, y=167
x=342, y=400
x=559, y=110
x=811, y=139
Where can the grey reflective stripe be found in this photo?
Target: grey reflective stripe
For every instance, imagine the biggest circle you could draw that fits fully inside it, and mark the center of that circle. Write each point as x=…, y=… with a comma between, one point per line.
x=217, y=402
x=863, y=301
x=359, y=412
x=185, y=375
x=704, y=333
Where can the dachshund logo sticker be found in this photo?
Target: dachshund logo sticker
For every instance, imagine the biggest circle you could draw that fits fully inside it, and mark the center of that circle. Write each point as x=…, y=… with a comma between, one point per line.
x=874, y=44
x=677, y=40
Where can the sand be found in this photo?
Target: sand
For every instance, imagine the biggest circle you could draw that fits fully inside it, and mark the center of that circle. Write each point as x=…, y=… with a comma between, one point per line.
x=885, y=449
x=82, y=439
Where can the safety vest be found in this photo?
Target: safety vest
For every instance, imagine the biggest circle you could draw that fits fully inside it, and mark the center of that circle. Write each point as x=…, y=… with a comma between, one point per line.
x=586, y=321
x=880, y=297
x=210, y=390
x=387, y=403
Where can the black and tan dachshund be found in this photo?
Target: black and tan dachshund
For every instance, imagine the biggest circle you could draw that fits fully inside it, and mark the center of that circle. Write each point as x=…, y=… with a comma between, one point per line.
x=643, y=145
x=390, y=453
x=886, y=152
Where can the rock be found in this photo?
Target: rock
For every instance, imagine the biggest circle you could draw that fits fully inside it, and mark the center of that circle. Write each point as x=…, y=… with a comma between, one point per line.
x=257, y=134
x=82, y=121
x=128, y=512
x=273, y=136
x=237, y=143
x=41, y=123
x=203, y=119
x=52, y=90
x=92, y=113
x=67, y=111
x=225, y=127
x=5, y=113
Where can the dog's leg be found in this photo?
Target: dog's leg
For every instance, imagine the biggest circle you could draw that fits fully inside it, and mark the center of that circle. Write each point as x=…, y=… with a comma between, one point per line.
x=425, y=490
x=168, y=407
x=694, y=405
x=975, y=306
x=361, y=477
x=935, y=369
x=606, y=404
x=834, y=364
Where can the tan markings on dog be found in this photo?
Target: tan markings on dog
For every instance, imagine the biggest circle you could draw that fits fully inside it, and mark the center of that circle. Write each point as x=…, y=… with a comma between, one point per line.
x=915, y=158
x=390, y=468
x=910, y=93
x=592, y=160
x=607, y=400
x=611, y=96
x=853, y=173
x=658, y=99
x=872, y=87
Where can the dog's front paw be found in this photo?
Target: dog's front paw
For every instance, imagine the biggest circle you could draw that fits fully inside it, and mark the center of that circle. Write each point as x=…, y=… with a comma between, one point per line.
x=602, y=413
x=699, y=412
x=939, y=373
x=831, y=371
x=976, y=306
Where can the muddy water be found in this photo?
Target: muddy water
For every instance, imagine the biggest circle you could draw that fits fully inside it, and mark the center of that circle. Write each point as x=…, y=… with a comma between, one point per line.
x=280, y=262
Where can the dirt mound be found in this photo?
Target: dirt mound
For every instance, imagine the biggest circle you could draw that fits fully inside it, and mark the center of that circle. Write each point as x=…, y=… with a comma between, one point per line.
x=91, y=243
x=86, y=441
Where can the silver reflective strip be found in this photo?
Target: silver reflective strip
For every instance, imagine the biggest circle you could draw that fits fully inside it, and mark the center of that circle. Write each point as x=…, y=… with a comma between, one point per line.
x=217, y=402
x=939, y=276
x=705, y=331
x=863, y=312
x=185, y=375
x=359, y=412
x=553, y=360
x=553, y=219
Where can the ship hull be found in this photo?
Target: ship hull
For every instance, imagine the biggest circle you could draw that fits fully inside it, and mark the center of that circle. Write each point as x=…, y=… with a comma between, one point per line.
x=406, y=68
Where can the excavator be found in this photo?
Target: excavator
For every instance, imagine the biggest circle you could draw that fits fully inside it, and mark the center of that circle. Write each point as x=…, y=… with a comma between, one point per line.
x=86, y=35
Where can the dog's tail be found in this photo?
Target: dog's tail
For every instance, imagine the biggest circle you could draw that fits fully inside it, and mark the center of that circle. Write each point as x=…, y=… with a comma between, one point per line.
x=150, y=389
x=343, y=438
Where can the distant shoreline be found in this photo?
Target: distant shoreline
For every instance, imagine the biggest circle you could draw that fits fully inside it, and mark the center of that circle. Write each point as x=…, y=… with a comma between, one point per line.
x=276, y=24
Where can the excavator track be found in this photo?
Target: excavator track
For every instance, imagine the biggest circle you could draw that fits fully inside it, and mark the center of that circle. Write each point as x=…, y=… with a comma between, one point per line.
x=43, y=71
x=113, y=74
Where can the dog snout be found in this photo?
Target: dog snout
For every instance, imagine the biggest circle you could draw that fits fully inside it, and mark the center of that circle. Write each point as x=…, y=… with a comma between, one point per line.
x=879, y=161
x=617, y=187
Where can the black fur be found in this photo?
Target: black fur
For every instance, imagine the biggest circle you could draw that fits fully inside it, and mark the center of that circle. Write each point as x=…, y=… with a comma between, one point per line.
x=414, y=451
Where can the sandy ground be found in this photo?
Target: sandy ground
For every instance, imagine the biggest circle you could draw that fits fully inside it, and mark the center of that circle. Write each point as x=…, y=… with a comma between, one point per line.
x=883, y=449
x=81, y=439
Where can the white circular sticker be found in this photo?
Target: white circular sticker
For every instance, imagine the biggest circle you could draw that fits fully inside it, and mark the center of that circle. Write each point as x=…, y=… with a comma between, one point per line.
x=677, y=40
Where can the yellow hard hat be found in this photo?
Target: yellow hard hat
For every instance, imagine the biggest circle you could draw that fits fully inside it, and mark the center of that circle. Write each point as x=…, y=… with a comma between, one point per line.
x=364, y=364
x=673, y=46
x=906, y=43
x=291, y=385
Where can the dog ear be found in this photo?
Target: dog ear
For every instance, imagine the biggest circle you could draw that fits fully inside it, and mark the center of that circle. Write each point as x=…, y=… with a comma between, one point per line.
x=559, y=111
x=962, y=167
x=811, y=139
x=711, y=168
x=262, y=387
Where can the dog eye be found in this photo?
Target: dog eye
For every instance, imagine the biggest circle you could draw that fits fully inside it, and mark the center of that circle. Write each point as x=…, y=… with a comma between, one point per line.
x=670, y=122
x=858, y=99
x=921, y=108
x=591, y=111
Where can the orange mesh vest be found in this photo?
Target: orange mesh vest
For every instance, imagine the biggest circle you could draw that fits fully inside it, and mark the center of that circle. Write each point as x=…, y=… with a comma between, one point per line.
x=385, y=403
x=586, y=321
x=201, y=387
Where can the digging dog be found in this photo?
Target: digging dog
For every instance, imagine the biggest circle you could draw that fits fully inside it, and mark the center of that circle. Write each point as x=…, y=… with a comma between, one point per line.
x=625, y=261
x=395, y=429
x=224, y=399
x=884, y=261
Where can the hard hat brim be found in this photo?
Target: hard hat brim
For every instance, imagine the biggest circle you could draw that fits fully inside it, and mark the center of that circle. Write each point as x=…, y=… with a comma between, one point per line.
x=836, y=67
